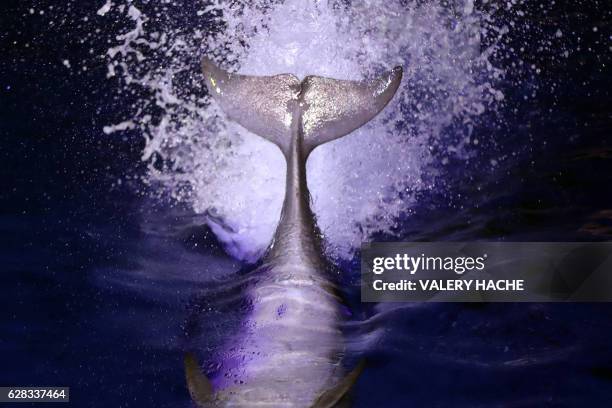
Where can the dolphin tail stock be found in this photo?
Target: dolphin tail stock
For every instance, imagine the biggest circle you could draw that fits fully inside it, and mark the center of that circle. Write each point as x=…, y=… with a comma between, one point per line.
x=321, y=109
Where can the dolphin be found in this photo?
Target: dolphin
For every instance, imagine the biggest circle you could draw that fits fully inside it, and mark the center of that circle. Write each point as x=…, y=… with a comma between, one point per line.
x=289, y=352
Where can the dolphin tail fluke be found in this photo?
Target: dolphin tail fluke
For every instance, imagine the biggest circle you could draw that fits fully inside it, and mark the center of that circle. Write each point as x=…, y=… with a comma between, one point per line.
x=270, y=106
x=199, y=386
x=334, y=396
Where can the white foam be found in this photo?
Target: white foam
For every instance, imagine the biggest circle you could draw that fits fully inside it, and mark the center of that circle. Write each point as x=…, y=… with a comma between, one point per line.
x=360, y=184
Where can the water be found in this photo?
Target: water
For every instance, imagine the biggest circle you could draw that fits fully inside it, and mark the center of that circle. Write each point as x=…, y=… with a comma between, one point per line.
x=122, y=249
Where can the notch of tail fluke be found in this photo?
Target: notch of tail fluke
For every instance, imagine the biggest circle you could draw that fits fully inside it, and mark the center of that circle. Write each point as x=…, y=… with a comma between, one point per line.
x=200, y=388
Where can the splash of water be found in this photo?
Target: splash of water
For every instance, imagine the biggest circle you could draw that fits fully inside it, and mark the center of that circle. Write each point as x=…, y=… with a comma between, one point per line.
x=361, y=183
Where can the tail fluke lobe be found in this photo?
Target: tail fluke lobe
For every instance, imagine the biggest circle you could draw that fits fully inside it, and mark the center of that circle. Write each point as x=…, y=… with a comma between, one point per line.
x=280, y=108
x=335, y=108
x=263, y=105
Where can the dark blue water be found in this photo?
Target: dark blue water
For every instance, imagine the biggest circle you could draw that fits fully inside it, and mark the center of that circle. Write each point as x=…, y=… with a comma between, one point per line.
x=100, y=281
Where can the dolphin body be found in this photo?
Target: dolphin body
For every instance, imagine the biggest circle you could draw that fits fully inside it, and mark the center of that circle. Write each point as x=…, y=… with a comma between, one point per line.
x=289, y=353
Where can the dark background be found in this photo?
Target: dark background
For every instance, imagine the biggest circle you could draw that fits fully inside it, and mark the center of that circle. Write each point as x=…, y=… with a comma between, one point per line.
x=67, y=224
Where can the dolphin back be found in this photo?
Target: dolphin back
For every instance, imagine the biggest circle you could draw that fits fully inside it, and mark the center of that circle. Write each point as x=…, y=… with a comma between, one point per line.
x=321, y=109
